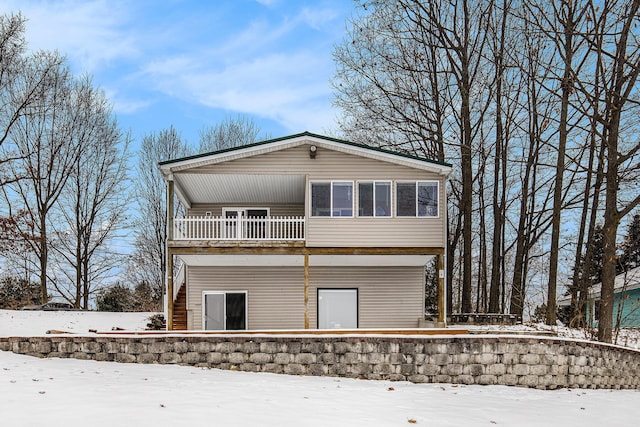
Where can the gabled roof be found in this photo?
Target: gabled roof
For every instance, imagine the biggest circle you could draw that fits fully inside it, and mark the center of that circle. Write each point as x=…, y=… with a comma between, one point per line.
x=168, y=167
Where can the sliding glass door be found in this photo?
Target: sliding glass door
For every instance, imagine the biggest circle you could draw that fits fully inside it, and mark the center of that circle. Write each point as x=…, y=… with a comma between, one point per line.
x=225, y=310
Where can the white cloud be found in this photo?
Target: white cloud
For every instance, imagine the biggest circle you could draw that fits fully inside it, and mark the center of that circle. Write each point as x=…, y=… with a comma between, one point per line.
x=317, y=18
x=90, y=33
x=280, y=86
x=264, y=67
x=255, y=71
x=125, y=105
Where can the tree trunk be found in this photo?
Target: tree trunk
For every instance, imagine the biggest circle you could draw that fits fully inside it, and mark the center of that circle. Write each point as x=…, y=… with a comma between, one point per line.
x=467, y=183
x=625, y=68
x=611, y=221
x=498, y=201
x=44, y=258
x=567, y=87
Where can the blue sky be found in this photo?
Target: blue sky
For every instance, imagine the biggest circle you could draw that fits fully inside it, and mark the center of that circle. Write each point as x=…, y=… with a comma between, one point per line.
x=191, y=63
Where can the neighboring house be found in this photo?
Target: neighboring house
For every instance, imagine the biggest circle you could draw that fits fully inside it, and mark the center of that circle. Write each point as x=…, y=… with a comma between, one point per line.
x=626, y=302
x=304, y=231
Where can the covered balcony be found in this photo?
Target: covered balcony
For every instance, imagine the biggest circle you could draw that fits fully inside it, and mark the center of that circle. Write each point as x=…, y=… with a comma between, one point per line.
x=238, y=209
x=240, y=228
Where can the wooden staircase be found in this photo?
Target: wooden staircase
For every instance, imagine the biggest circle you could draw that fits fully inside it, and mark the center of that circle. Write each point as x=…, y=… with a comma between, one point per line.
x=180, y=310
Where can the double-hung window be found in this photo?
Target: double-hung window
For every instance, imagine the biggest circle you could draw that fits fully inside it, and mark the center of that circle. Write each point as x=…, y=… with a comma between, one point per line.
x=332, y=198
x=417, y=198
x=374, y=198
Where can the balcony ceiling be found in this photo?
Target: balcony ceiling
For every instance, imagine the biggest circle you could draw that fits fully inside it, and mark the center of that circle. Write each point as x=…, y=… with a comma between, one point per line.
x=212, y=188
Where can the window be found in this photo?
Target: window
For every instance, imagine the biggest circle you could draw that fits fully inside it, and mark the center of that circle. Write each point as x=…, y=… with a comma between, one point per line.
x=332, y=199
x=374, y=198
x=321, y=199
x=417, y=198
x=596, y=310
x=406, y=197
x=427, y=199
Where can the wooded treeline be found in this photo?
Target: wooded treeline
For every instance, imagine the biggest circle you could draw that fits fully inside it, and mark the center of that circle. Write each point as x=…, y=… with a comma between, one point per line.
x=535, y=103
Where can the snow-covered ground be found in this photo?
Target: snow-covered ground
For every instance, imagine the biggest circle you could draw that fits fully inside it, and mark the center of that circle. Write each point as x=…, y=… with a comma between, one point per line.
x=36, y=392
x=624, y=337
x=34, y=323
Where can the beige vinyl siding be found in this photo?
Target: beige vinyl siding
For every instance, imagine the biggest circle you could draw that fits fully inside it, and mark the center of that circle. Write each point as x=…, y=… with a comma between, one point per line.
x=374, y=232
x=275, y=209
x=332, y=165
x=388, y=297
x=328, y=164
x=275, y=296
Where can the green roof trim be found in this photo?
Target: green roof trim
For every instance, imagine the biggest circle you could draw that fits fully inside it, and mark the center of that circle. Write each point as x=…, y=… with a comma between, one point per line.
x=300, y=135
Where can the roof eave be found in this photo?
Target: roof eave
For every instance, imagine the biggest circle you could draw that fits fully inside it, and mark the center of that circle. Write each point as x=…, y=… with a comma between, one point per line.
x=177, y=165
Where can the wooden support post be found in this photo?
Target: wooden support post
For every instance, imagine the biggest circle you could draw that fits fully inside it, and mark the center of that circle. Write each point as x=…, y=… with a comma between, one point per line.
x=169, y=290
x=441, y=288
x=306, y=291
x=169, y=255
x=170, y=210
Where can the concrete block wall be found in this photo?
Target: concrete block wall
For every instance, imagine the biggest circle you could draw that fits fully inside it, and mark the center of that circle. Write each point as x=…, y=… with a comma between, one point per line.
x=537, y=362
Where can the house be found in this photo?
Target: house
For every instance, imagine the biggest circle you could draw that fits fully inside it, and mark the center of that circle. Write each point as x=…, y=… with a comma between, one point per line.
x=626, y=301
x=300, y=232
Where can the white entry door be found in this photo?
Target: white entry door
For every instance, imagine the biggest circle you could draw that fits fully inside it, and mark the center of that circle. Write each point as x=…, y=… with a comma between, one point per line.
x=233, y=223
x=337, y=308
x=246, y=223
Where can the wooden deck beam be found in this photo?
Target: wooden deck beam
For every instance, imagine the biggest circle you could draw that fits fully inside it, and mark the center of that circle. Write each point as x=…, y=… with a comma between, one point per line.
x=322, y=332
x=179, y=248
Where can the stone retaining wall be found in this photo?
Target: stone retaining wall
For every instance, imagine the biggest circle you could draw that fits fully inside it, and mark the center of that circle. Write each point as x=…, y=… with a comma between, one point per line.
x=545, y=363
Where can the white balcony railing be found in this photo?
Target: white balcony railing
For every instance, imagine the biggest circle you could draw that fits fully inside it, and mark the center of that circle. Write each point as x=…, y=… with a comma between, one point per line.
x=257, y=229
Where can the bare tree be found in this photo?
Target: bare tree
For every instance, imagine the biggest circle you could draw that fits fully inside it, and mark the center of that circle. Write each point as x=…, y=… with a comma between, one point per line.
x=48, y=150
x=229, y=133
x=504, y=43
x=559, y=23
x=148, y=262
x=22, y=81
x=569, y=17
x=584, y=267
x=615, y=44
x=93, y=205
x=389, y=82
x=530, y=191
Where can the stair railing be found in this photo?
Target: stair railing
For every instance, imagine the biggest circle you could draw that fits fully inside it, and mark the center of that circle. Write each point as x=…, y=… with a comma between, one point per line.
x=179, y=281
